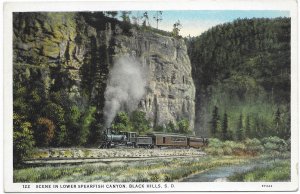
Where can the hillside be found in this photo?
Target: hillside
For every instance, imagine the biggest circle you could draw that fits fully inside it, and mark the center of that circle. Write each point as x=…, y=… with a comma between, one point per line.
x=77, y=73
x=242, y=77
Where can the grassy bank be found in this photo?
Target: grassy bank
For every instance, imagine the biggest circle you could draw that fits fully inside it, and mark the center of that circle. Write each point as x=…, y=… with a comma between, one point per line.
x=148, y=171
x=278, y=171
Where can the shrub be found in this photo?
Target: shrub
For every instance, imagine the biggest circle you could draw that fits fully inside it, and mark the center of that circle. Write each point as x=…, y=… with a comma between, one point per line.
x=275, y=146
x=140, y=122
x=253, y=146
x=45, y=131
x=288, y=144
x=227, y=147
x=122, y=122
x=279, y=171
x=183, y=126
x=23, y=142
x=87, y=120
x=215, y=142
x=231, y=147
x=215, y=147
x=238, y=149
x=56, y=113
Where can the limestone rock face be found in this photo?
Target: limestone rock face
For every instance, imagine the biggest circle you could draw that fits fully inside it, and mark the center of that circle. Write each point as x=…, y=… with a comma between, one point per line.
x=44, y=46
x=170, y=94
x=70, y=50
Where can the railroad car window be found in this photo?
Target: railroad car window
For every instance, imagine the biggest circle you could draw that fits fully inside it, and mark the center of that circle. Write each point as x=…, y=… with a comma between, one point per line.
x=164, y=139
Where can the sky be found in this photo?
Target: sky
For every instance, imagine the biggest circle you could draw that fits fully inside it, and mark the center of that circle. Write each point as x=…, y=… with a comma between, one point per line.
x=196, y=22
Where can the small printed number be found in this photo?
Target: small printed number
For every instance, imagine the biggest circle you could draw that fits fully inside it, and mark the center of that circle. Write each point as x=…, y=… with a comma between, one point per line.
x=266, y=185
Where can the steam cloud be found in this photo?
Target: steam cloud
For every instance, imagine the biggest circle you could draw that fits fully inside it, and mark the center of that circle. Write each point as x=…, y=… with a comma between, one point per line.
x=125, y=88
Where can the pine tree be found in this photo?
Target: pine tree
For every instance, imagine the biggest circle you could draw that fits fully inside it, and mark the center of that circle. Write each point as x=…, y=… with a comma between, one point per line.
x=225, y=127
x=248, y=127
x=113, y=14
x=215, y=122
x=240, y=130
x=277, y=121
x=176, y=29
x=158, y=18
x=146, y=19
x=125, y=16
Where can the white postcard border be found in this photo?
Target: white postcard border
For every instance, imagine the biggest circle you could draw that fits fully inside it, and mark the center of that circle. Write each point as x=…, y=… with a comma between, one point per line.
x=9, y=8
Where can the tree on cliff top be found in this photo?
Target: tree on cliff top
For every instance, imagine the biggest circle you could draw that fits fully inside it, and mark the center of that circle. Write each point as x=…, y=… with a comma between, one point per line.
x=157, y=17
x=176, y=29
x=125, y=16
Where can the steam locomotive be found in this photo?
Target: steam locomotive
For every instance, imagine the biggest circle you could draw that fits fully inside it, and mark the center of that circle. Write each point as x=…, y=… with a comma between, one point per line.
x=152, y=140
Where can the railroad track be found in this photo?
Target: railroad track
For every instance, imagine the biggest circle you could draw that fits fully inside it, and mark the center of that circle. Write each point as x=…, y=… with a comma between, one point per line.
x=59, y=161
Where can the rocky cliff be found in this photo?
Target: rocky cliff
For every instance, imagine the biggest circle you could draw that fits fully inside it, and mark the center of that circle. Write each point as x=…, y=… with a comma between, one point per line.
x=74, y=52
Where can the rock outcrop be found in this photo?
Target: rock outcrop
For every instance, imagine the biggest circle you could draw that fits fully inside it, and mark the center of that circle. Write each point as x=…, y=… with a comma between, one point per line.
x=74, y=52
x=170, y=93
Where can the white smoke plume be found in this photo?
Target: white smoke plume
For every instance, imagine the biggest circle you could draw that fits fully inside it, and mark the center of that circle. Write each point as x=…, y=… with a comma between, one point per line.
x=125, y=87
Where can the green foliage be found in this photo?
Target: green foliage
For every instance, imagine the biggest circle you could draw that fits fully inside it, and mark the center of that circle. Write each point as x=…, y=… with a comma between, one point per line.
x=44, y=132
x=233, y=148
x=73, y=125
x=228, y=147
x=271, y=146
x=244, y=67
x=20, y=104
x=111, y=13
x=125, y=25
x=248, y=127
x=215, y=122
x=279, y=171
x=86, y=122
x=176, y=29
x=44, y=89
x=56, y=114
x=122, y=122
x=184, y=126
x=215, y=147
x=238, y=148
x=170, y=127
x=125, y=16
x=253, y=146
x=281, y=123
x=288, y=142
x=159, y=128
x=160, y=170
x=23, y=141
x=140, y=122
x=240, y=133
x=96, y=134
x=225, y=134
x=275, y=146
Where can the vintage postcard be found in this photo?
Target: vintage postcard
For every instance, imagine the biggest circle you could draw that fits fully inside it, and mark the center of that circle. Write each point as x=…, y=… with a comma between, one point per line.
x=156, y=96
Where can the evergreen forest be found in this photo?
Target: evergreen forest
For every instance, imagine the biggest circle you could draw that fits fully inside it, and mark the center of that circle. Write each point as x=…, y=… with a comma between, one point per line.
x=242, y=72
